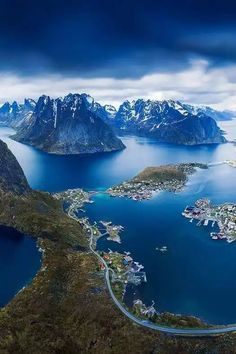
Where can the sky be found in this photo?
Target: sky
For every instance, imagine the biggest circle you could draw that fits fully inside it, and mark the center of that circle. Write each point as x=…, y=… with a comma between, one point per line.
x=117, y=50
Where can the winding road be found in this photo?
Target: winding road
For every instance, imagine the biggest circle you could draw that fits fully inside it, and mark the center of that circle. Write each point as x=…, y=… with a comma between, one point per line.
x=192, y=332
x=189, y=332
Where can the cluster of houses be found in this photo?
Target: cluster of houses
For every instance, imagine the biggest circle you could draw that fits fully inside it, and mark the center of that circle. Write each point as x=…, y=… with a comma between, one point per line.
x=143, y=310
x=224, y=215
x=125, y=268
x=144, y=190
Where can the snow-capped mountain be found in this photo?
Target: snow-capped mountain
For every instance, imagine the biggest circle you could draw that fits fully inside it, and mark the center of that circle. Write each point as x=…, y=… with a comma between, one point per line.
x=167, y=121
x=13, y=114
x=69, y=125
x=213, y=113
x=106, y=112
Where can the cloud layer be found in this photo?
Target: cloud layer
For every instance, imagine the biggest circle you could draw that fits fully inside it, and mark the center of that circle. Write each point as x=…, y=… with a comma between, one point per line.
x=199, y=83
x=115, y=38
x=119, y=49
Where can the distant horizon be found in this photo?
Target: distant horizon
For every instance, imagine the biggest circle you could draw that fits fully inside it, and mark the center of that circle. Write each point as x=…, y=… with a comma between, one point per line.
x=28, y=85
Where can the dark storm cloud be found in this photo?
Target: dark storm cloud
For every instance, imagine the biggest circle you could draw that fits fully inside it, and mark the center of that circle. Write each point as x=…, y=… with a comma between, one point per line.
x=114, y=38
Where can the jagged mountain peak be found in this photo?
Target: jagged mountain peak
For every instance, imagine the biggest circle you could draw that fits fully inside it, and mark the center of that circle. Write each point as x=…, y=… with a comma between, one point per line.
x=71, y=125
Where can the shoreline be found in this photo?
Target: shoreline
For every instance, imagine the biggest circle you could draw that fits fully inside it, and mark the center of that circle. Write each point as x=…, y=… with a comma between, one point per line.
x=178, y=330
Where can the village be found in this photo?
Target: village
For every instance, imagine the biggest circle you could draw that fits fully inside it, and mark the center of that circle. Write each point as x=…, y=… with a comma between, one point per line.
x=224, y=216
x=144, y=190
x=152, y=180
x=123, y=269
x=74, y=198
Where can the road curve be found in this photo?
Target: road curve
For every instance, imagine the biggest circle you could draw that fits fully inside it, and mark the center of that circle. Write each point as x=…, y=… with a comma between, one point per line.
x=189, y=332
x=192, y=332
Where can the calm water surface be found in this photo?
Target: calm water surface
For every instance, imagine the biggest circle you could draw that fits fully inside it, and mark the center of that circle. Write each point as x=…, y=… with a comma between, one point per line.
x=197, y=275
x=19, y=262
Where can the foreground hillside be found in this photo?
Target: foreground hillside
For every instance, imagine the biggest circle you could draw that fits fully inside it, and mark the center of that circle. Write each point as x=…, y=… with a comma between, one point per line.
x=66, y=308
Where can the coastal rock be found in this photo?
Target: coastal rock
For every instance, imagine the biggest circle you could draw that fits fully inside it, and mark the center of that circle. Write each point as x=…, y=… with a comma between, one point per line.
x=12, y=178
x=69, y=125
x=167, y=121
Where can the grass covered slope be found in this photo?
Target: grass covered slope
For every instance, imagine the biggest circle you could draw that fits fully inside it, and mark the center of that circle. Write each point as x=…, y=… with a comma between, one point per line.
x=167, y=172
x=170, y=178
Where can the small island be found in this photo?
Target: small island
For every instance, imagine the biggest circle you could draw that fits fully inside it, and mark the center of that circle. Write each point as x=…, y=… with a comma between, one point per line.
x=152, y=180
x=113, y=231
x=224, y=216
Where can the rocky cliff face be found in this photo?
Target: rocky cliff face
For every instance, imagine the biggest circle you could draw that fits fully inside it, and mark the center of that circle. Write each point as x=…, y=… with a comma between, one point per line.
x=12, y=178
x=67, y=126
x=12, y=115
x=166, y=121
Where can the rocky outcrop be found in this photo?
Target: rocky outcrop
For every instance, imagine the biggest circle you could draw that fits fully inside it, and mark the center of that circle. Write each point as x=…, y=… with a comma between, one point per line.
x=12, y=178
x=67, y=126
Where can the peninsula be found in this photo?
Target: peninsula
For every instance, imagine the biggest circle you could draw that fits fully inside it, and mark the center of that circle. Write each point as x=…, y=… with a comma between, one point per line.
x=151, y=180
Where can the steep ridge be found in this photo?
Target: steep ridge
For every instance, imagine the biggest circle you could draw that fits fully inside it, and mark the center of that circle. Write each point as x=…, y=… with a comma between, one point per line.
x=12, y=178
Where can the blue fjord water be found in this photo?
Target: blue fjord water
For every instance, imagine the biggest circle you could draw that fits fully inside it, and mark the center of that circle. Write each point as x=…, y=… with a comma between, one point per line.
x=197, y=275
x=19, y=262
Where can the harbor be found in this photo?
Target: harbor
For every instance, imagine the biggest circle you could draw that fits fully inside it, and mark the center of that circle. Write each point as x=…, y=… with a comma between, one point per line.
x=223, y=216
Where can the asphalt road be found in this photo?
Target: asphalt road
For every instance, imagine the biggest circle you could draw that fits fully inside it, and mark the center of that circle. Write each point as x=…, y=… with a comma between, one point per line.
x=191, y=332
x=188, y=332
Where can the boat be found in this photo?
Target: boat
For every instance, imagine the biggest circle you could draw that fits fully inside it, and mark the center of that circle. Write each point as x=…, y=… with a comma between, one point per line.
x=205, y=222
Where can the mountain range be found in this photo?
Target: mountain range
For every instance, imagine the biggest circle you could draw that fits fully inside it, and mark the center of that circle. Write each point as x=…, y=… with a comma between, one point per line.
x=12, y=114
x=78, y=124
x=167, y=121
